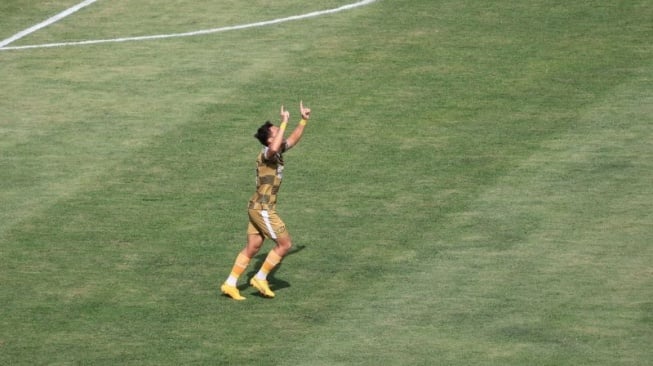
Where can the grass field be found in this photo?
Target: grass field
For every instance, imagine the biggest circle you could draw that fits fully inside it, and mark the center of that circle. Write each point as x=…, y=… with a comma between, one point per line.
x=474, y=187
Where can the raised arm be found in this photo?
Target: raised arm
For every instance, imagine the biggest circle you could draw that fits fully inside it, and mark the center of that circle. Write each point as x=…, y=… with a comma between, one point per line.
x=297, y=133
x=275, y=145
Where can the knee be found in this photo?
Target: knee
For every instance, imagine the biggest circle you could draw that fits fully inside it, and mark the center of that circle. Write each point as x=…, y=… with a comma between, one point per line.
x=250, y=251
x=254, y=243
x=284, y=244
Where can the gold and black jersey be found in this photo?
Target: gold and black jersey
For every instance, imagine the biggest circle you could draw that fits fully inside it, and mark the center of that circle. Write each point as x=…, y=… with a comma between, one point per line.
x=269, y=174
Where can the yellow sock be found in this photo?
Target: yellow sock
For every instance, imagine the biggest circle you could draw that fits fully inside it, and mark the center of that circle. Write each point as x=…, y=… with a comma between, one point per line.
x=271, y=261
x=242, y=261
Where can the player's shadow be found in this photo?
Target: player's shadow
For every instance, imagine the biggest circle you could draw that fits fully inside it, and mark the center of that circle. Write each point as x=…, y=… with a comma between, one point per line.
x=274, y=282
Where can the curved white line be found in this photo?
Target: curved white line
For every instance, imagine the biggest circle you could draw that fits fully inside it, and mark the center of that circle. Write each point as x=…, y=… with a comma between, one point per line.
x=199, y=32
x=46, y=22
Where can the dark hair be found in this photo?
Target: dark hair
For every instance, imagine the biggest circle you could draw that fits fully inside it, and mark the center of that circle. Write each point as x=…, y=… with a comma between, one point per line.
x=263, y=133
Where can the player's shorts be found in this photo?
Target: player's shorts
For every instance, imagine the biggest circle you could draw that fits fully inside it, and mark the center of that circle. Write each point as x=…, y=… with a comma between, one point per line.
x=266, y=223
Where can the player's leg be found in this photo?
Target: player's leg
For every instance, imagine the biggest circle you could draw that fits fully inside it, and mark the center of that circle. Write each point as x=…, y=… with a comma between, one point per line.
x=274, y=257
x=254, y=243
x=283, y=245
x=277, y=231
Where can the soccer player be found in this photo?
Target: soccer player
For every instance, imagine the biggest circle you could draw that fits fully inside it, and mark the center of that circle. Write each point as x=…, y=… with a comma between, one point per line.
x=264, y=222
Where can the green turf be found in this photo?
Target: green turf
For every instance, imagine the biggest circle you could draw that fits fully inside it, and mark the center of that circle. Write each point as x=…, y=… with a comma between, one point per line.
x=474, y=187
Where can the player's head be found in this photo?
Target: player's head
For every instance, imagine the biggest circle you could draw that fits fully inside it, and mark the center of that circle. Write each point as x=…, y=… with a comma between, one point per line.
x=264, y=133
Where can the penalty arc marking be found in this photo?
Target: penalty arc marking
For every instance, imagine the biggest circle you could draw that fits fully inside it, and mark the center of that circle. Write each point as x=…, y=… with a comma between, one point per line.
x=4, y=43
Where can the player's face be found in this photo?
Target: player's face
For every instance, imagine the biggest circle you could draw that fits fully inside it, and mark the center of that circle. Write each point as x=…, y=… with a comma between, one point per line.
x=273, y=132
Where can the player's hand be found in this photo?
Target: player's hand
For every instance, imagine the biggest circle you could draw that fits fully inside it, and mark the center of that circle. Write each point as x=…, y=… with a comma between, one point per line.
x=285, y=115
x=305, y=112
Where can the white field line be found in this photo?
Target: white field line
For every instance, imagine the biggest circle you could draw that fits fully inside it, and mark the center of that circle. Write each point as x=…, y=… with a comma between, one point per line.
x=199, y=32
x=46, y=22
